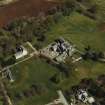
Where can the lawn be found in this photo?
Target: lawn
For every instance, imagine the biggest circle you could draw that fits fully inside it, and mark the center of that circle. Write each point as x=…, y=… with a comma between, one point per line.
x=78, y=29
x=34, y=71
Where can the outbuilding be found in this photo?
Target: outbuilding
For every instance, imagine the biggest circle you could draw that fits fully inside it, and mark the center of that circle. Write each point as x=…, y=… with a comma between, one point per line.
x=21, y=52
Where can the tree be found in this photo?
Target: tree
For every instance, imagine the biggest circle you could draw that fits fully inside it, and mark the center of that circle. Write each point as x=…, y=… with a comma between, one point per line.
x=93, y=9
x=64, y=69
x=38, y=45
x=96, y=90
x=49, y=21
x=101, y=80
x=54, y=79
x=86, y=83
x=102, y=102
x=52, y=11
x=8, y=61
x=88, y=48
x=41, y=38
x=101, y=55
x=7, y=43
x=57, y=16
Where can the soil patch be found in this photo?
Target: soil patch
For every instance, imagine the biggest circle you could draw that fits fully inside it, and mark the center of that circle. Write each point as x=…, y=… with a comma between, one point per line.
x=23, y=8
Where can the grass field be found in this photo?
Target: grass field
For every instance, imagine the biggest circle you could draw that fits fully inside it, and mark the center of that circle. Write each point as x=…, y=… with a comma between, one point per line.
x=34, y=71
x=81, y=31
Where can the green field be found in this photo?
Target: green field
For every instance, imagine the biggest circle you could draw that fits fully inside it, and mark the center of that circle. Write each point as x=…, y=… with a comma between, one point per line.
x=34, y=71
x=81, y=31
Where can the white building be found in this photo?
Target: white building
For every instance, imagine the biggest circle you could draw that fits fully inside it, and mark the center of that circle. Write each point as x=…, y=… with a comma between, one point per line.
x=21, y=53
x=84, y=97
x=91, y=100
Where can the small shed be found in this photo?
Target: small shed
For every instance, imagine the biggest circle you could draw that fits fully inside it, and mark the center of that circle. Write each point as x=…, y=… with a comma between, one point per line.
x=91, y=100
x=21, y=52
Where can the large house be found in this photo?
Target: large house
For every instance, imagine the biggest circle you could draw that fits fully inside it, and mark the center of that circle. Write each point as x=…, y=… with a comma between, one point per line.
x=59, y=50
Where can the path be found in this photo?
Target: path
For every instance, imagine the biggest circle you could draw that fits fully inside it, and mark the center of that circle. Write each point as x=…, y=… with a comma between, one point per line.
x=2, y=87
x=34, y=49
x=61, y=100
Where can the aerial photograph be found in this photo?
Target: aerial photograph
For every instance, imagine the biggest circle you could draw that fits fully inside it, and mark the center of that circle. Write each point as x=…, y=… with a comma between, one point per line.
x=52, y=52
